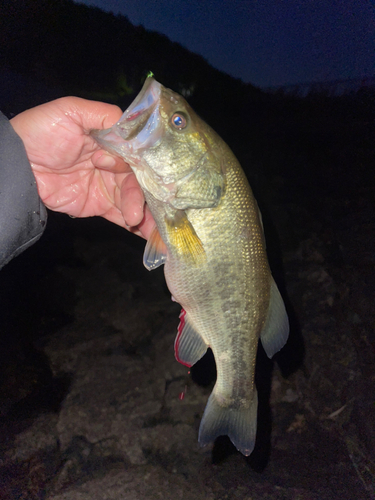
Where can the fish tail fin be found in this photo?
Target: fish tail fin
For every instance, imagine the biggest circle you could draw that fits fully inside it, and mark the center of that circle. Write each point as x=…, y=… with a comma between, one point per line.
x=240, y=424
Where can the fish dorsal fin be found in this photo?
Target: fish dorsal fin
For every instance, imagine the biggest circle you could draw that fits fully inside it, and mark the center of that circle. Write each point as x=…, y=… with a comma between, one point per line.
x=189, y=346
x=155, y=252
x=184, y=239
x=276, y=328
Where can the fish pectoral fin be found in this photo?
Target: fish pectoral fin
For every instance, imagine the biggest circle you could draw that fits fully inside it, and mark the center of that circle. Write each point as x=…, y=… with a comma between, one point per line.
x=155, y=253
x=238, y=423
x=276, y=328
x=189, y=347
x=184, y=239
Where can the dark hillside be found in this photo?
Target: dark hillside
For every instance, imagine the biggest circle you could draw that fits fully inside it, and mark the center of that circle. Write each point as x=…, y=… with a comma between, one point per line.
x=90, y=53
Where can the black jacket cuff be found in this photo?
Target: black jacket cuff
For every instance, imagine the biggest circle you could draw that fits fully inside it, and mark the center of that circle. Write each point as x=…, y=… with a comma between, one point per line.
x=23, y=215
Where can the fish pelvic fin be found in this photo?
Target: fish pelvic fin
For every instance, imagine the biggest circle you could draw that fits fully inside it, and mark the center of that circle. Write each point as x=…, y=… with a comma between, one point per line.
x=184, y=239
x=239, y=423
x=155, y=253
x=276, y=328
x=189, y=346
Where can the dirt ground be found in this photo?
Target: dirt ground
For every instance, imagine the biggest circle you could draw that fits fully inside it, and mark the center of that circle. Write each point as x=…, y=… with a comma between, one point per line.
x=89, y=395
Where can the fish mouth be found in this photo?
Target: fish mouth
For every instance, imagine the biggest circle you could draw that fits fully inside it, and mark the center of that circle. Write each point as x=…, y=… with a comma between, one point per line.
x=138, y=128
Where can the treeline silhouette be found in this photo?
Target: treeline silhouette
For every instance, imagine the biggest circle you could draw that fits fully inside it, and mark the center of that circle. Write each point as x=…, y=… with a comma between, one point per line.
x=91, y=53
x=317, y=142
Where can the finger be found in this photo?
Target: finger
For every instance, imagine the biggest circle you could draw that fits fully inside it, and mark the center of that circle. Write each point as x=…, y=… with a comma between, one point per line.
x=143, y=229
x=105, y=161
x=147, y=225
x=114, y=215
x=132, y=201
x=90, y=114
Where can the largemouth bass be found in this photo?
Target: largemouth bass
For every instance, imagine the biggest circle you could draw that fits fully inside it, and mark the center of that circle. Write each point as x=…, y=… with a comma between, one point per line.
x=209, y=236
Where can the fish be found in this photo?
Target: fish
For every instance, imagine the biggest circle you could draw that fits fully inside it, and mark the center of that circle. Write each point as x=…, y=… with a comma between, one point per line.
x=209, y=237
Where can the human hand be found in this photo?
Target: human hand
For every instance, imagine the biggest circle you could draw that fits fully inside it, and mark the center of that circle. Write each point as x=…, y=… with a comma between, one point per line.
x=73, y=174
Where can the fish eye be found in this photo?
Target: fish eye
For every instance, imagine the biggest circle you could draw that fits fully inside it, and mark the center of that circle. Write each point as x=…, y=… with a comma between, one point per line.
x=179, y=121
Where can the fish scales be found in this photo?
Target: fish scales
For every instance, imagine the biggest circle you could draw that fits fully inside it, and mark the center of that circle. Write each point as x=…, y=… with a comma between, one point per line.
x=229, y=297
x=214, y=254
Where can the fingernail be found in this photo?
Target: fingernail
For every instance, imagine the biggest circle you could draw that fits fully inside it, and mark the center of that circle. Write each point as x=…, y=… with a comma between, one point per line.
x=105, y=161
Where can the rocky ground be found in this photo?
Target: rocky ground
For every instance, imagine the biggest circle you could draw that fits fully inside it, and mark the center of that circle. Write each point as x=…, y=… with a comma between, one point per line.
x=90, y=398
x=90, y=404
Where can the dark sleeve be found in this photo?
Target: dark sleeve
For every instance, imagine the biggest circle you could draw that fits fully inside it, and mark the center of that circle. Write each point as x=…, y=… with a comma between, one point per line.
x=22, y=213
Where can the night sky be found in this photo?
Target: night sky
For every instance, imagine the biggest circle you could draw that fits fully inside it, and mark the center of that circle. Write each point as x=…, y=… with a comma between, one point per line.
x=264, y=42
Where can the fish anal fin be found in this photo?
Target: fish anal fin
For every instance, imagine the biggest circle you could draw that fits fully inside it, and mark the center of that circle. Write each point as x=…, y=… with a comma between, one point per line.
x=239, y=423
x=276, y=328
x=184, y=239
x=189, y=346
x=155, y=253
